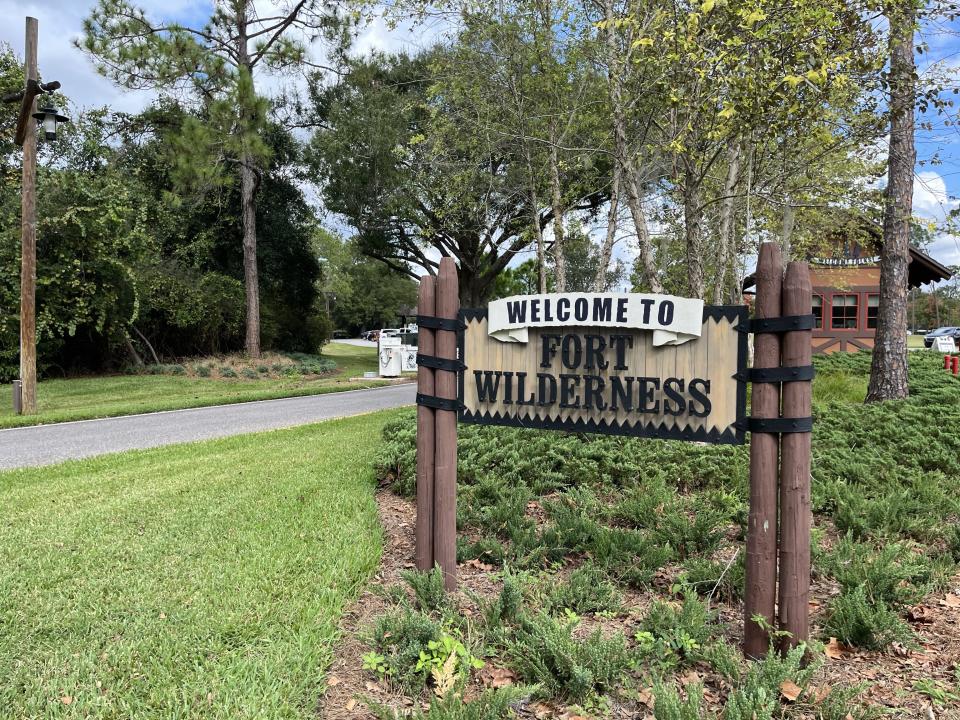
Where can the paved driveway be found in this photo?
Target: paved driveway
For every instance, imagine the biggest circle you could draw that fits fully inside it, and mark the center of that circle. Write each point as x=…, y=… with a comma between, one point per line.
x=47, y=444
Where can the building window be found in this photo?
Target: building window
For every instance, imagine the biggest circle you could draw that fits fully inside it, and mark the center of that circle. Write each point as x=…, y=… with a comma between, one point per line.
x=873, y=310
x=844, y=312
x=818, y=310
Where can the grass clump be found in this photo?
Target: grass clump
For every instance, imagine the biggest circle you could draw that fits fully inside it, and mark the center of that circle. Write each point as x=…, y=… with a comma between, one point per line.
x=587, y=590
x=399, y=639
x=757, y=694
x=673, y=636
x=428, y=589
x=543, y=651
x=668, y=705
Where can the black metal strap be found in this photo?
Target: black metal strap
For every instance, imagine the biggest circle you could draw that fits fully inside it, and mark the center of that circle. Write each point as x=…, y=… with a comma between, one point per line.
x=777, y=426
x=439, y=363
x=780, y=374
x=787, y=323
x=436, y=323
x=438, y=403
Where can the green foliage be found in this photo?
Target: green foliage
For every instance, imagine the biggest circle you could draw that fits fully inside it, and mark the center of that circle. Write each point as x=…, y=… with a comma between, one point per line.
x=893, y=573
x=587, y=590
x=399, y=638
x=668, y=705
x=718, y=579
x=670, y=637
x=757, y=695
x=543, y=651
x=440, y=651
x=428, y=589
x=855, y=619
x=506, y=607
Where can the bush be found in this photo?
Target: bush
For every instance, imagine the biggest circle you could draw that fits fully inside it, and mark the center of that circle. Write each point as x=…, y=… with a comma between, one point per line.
x=893, y=574
x=399, y=637
x=668, y=704
x=428, y=589
x=250, y=374
x=757, y=695
x=855, y=619
x=671, y=636
x=543, y=651
x=587, y=590
x=202, y=370
x=227, y=372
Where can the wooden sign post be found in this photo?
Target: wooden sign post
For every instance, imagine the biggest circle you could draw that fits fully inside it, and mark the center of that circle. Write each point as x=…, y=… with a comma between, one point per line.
x=633, y=364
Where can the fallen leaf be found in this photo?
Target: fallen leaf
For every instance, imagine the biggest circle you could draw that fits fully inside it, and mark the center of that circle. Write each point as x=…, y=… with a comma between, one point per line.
x=951, y=600
x=790, y=690
x=920, y=614
x=333, y=681
x=645, y=697
x=351, y=704
x=818, y=694
x=691, y=678
x=371, y=686
x=67, y=699
x=834, y=649
x=494, y=677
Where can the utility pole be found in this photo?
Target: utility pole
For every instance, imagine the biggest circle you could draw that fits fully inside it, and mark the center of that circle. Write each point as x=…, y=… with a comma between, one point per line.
x=28, y=234
x=25, y=391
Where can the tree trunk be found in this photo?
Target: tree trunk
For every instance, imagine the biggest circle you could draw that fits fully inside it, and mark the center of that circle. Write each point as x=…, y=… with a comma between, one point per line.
x=786, y=230
x=693, y=222
x=248, y=191
x=623, y=156
x=556, y=200
x=606, y=252
x=535, y=226
x=725, y=275
x=888, y=369
x=250, y=281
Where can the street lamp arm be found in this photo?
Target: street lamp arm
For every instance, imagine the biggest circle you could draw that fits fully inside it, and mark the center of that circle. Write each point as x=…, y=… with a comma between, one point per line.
x=25, y=97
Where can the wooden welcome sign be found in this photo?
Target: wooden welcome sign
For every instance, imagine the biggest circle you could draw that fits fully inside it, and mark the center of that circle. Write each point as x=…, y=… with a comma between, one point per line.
x=652, y=366
x=610, y=380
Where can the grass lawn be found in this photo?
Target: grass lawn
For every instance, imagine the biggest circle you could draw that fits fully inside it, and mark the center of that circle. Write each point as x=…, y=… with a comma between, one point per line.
x=914, y=341
x=196, y=581
x=94, y=397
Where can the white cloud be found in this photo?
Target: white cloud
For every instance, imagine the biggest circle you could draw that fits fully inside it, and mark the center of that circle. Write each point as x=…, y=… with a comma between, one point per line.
x=932, y=201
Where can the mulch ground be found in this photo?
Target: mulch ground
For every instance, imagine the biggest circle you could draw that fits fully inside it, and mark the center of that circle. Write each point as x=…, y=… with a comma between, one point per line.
x=891, y=679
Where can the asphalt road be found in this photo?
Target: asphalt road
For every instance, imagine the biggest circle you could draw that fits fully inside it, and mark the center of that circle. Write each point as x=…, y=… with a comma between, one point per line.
x=48, y=444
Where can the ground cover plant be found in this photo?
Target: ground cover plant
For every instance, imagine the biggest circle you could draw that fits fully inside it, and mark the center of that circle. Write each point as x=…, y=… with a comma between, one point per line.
x=196, y=581
x=621, y=564
x=198, y=383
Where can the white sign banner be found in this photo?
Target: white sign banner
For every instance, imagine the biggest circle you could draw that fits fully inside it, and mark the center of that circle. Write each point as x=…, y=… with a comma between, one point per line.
x=673, y=320
x=944, y=344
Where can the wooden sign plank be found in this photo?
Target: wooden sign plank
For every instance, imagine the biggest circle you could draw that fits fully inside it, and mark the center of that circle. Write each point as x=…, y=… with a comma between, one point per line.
x=609, y=380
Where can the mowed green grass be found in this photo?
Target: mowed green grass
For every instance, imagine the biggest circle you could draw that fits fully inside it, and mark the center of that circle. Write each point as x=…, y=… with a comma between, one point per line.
x=107, y=396
x=195, y=581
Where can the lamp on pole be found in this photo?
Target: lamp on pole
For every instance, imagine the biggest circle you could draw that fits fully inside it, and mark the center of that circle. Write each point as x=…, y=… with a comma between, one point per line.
x=25, y=389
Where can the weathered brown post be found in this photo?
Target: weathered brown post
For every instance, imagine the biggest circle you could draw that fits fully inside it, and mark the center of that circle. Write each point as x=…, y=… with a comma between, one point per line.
x=425, y=429
x=795, y=468
x=28, y=249
x=445, y=472
x=761, y=560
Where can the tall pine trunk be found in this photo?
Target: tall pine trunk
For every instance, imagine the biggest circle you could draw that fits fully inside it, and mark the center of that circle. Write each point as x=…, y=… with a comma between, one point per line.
x=248, y=187
x=888, y=369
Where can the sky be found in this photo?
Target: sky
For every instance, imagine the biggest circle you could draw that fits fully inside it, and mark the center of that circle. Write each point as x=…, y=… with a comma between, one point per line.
x=937, y=185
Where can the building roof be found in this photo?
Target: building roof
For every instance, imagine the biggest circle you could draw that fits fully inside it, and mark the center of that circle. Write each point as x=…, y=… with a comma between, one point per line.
x=922, y=269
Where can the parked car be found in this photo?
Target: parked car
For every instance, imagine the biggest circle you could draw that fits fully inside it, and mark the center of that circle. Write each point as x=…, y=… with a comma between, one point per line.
x=950, y=332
